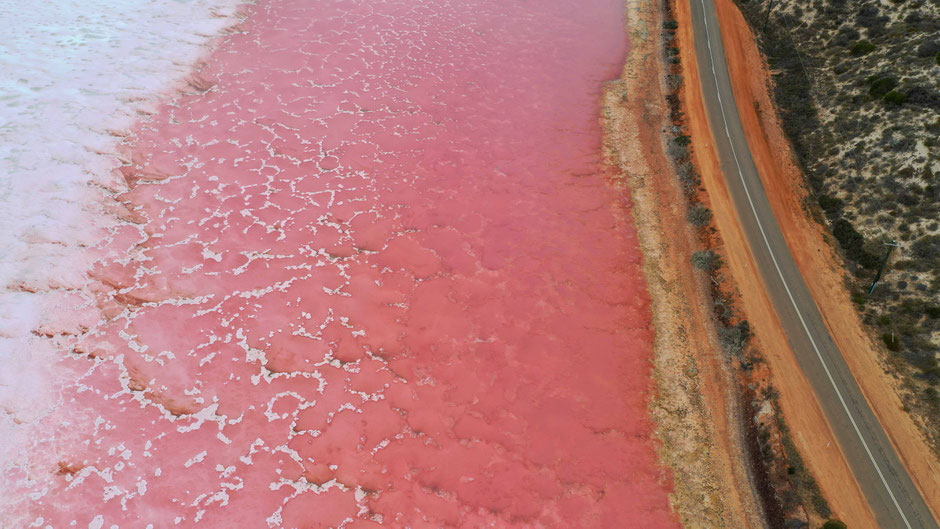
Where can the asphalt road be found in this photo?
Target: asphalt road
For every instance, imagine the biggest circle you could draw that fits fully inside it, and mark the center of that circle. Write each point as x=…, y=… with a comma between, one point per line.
x=883, y=479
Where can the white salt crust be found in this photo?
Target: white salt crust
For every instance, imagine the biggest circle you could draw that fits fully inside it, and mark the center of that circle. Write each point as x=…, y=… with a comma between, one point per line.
x=73, y=76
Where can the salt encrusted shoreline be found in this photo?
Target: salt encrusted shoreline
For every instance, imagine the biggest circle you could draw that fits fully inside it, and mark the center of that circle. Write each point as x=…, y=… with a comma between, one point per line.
x=79, y=75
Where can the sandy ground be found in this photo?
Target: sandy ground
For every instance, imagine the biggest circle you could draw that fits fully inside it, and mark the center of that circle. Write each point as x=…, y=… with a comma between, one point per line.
x=821, y=266
x=694, y=408
x=804, y=415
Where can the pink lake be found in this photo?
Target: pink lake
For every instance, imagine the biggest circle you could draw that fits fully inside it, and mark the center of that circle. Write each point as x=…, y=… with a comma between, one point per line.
x=379, y=278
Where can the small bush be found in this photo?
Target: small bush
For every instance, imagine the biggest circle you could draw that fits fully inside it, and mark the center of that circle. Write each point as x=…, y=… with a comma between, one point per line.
x=923, y=96
x=699, y=215
x=677, y=151
x=846, y=35
x=831, y=205
x=834, y=524
x=859, y=298
x=671, y=24
x=870, y=17
x=928, y=48
x=927, y=248
x=706, y=260
x=674, y=81
x=688, y=178
x=735, y=338
x=862, y=47
x=891, y=341
x=895, y=98
x=880, y=86
x=853, y=244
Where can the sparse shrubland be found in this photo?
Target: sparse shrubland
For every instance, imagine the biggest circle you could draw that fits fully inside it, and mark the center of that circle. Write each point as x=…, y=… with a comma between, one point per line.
x=856, y=85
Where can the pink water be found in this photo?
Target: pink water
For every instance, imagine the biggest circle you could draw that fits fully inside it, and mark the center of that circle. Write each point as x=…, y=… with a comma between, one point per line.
x=382, y=279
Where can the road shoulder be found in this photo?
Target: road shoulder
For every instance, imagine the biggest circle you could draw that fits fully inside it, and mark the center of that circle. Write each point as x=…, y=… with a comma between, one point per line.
x=819, y=264
x=813, y=436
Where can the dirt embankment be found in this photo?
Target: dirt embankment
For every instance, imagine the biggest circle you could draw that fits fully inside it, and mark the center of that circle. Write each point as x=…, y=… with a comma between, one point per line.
x=695, y=407
x=821, y=266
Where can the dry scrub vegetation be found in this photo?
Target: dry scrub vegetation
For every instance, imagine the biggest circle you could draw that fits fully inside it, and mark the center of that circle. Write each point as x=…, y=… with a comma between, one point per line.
x=788, y=492
x=856, y=85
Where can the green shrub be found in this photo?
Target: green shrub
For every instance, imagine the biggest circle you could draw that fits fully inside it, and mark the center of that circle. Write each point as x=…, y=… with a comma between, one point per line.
x=819, y=501
x=880, y=86
x=830, y=205
x=699, y=215
x=853, y=244
x=677, y=151
x=927, y=247
x=932, y=397
x=671, y=24
x=849, y=238
x=859, y=298
x=896, y=98
x=706, y=260
x=735, y=338
x=834, y=524
x=862, y=47
x=891, y=341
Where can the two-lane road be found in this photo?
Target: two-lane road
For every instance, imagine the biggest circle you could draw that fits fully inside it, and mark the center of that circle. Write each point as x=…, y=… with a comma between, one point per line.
x=883, y=479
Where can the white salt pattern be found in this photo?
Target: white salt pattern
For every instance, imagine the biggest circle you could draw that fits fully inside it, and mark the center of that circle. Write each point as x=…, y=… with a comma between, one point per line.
x=73, y=75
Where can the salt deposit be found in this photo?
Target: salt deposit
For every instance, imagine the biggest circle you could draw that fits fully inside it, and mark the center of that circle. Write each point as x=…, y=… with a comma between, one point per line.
x=380, y=278
x=73, y=75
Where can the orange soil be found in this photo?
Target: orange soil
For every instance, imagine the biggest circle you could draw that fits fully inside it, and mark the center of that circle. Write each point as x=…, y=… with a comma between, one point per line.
x=695, y=408
x=800, y=406
x=821, y=266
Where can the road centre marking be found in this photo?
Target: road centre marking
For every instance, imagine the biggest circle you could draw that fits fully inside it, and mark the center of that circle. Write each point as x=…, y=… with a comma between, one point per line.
x=784, y=282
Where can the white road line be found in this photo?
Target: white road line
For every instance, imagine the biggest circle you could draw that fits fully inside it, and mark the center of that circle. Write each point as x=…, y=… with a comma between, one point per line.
x=782, y=280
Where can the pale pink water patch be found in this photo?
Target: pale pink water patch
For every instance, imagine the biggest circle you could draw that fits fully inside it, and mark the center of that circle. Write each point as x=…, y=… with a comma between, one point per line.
x=381, y=280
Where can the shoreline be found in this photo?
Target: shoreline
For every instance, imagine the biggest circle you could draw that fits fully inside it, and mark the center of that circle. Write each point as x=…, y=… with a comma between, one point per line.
x=77, y=127
x=694, y=407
